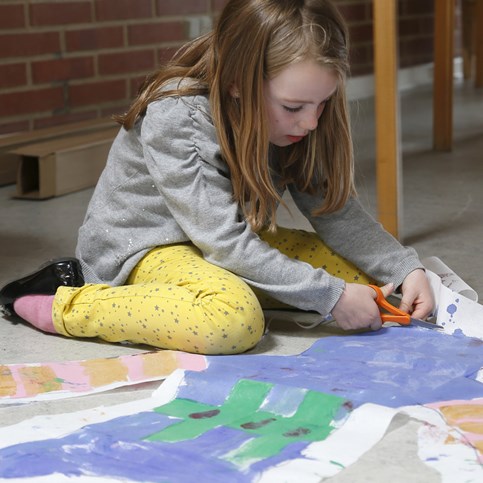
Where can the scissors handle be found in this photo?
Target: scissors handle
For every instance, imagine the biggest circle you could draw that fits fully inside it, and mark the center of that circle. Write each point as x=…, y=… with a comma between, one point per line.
x=393, y=313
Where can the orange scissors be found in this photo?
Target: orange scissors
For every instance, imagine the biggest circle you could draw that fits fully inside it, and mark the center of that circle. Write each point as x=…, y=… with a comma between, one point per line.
x=394, y=314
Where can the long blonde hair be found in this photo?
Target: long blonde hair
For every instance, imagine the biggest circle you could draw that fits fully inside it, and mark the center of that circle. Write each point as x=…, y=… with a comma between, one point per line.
x=254, y=40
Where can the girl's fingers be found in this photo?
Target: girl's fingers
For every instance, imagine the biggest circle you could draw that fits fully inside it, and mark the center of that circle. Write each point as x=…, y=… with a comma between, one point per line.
x=387, y=289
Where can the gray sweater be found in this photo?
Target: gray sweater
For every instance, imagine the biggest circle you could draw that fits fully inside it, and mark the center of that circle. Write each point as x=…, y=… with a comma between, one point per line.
x=165, y=182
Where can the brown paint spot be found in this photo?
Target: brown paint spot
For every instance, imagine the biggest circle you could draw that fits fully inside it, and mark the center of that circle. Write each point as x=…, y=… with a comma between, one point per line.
x=205, y=414
x=259, y=424
x=297, y=432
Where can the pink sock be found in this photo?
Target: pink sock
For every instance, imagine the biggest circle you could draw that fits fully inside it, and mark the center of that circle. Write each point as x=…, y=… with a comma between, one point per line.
x=37, y=310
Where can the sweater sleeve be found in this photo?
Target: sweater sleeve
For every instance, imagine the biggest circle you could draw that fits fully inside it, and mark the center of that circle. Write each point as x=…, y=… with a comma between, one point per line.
x=182, y=155
x=353, y=233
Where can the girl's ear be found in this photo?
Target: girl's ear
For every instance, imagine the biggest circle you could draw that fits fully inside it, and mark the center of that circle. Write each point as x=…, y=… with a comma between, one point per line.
x=234, y=92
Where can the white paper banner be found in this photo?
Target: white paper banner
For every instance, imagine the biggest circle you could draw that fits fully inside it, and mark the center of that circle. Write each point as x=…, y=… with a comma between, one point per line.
x=457, y=314
x=449, y=278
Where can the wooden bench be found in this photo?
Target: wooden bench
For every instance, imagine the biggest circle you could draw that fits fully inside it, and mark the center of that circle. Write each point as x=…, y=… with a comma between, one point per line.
x=388, y=146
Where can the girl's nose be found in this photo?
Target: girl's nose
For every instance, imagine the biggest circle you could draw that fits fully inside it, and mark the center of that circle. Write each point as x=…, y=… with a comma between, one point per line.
x=309, y=122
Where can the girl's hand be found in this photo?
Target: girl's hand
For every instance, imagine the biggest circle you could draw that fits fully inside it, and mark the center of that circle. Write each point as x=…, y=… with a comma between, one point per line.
x=417, y=297
x=357, y=309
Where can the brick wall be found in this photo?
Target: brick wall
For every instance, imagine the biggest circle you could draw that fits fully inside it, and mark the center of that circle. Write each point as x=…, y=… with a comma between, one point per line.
x=70, y=60
x=415, y=24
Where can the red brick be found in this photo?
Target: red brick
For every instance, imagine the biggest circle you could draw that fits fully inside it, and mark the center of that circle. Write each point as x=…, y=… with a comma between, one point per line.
x=426, y=26
x=361, y=55
x=414, y=61
x=62, y=69
x=364, y=69
x=416, y=7
x=12, y=16
x=27, y=102
x=94, y=38
x=184, y=7
x=361, y=68
x=415, y=48
x=60, y=13
x=123, y=62
x=25, y=45
x=123, y=9
x=408, y=26
x=135, y=84
x=355, y=13
x=13, y=75
x=166, y=53
x=123, y=19
x=361, y=33
x=156, y=32
x=64, y=119
x=115, y=110
x=97, y=93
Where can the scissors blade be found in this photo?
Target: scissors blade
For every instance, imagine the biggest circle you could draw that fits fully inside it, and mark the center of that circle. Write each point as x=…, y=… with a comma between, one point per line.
x=425, y=323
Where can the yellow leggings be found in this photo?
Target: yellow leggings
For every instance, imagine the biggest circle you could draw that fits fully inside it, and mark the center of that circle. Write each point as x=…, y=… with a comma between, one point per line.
x=174, y=299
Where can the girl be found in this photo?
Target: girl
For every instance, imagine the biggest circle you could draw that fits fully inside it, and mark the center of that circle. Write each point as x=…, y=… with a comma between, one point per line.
x=180, y=247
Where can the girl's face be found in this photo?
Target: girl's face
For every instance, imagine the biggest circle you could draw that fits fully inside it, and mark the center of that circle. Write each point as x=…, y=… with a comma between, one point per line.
x=295, y=100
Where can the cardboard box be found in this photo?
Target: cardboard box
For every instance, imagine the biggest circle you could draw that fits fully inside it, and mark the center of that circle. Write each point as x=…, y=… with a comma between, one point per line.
x=8, y=168
x=61, y=166
x=8, y=162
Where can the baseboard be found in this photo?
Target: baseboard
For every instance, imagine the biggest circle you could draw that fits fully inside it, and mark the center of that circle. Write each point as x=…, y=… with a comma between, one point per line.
x=362, y=87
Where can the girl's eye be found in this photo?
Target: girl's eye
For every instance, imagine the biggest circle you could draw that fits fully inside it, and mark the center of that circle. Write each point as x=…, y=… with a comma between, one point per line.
x=292, y=109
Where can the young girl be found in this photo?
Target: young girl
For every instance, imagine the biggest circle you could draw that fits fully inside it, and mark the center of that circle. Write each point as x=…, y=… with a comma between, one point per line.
x=180, y=248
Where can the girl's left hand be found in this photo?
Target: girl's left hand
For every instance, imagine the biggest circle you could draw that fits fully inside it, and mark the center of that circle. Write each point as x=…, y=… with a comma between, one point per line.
x=417, y=297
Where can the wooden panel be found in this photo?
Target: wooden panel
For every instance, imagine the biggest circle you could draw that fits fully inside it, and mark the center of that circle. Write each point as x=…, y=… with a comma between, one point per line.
x=12, y=141
x=388, y=165
x=443, y=75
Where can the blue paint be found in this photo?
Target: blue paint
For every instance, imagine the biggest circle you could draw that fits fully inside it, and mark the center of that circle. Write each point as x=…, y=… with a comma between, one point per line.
x=451, y=309
x=116, y=449
x=394, y=367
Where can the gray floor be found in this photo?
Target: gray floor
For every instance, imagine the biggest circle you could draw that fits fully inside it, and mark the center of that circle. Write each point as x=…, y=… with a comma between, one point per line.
x=443, y=216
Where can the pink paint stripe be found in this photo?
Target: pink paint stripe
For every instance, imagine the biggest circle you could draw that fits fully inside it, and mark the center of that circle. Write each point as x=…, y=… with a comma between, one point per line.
x=473, y=437
x=456, y=402
x=135, y=367
x=192, y=362
x=21, y=390
x=72, y=375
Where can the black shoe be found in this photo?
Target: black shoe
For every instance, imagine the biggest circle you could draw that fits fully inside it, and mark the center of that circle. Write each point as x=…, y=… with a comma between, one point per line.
x=65, y=272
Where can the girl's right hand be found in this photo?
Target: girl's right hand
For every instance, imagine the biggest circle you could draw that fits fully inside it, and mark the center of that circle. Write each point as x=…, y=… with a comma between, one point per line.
x=357, y=308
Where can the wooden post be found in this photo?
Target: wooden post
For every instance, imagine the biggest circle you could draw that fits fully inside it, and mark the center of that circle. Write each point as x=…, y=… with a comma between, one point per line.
x=443, y=75
x=388, y=149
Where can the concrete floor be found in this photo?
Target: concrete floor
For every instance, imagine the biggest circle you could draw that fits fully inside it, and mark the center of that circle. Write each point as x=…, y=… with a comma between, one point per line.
x=443, y=216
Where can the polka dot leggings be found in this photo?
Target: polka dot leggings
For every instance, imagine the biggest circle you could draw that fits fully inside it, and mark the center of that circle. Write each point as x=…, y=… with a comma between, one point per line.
x=174, y=299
